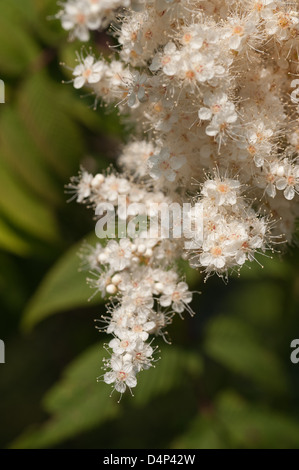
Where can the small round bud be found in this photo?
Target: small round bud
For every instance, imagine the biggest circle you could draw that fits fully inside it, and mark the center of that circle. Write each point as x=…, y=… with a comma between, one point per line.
x=97, y=180
x=141, y=249
x=116, y=279
x=102, y=258
x=280, y=171
x=111, y=289
x=148, y=253
x=159, y=286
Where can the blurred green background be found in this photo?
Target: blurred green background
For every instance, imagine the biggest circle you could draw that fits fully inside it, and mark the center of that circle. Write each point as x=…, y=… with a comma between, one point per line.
x=226, y=381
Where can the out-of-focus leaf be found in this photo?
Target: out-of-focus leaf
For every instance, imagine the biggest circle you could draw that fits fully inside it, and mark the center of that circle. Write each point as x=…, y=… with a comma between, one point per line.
x=10, y=276
x=36, y=17
x=24, y=210
x=17, y=49
x=50, y=29
x=63, y=288
x=266, y=267
x=171, y=370
x=259, y=303
x=202, y=434
x=231, y=342
x=18, y=11
x=11, y=241
x=192, y=275
x=77, y=403
x=254, y=426
x=97, y=120
x=235, y=423
x=22, y=156
x=54, y=133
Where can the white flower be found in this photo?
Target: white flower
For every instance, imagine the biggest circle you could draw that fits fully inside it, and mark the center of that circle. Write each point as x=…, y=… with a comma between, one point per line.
x=117, y=75
x=289, y=183
x=193, y=37
x=137, y=91
x=114, y=187
x=78, y=17
x=177, y=296
x=119, y=255
x=135, y=156
x=119, y=322
x=215, y=103
x=238, y=31
x=213, y=257
x=222, y=120
x=84, y=187
x=203, y=67
x=259, y=133
x=280, y=23
x=138, y=299
x=141, y=357
x=222, y=191
x=87, y=72
x=140, y=330
x=267, y=179
x=122, y=374
x=258, y=142
x=124, y=344
x=168, y=61
x=165, y=165
x=237, y=246
x=161, y=321
x=259, y=5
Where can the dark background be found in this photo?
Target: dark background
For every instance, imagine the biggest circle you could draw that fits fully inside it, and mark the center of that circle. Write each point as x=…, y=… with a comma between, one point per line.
x=227, y=380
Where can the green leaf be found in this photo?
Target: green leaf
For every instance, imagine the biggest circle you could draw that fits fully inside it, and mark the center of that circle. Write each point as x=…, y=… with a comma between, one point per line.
x=265, y=268
x=11, y=241
x=10, y=276
x=18, y=50
x=24, y=210
x=232, y=422
x=193, y=276
x=63, y=288
x=231, y=342
x=24, y=159
x=100, y=121
x=55, y=134
x=259, y=303
x=174, y=366
x=202, y=434
x=77, y=403
x=250, y=425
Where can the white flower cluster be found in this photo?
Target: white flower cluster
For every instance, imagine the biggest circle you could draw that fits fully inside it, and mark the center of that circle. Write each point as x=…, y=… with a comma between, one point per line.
x=137, y=273
x=81, y=16
x=232, y=232
x=209, y=86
